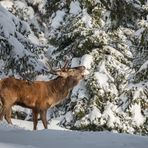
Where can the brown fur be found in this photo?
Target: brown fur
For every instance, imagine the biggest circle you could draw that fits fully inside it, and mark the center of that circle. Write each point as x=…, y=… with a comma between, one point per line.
x=38, y=95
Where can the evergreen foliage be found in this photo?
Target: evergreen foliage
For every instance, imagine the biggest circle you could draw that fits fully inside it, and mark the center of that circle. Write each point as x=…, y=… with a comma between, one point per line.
x=109, y=37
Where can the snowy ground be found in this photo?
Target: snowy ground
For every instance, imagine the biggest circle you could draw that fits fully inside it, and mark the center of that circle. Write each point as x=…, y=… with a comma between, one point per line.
x=56, y=137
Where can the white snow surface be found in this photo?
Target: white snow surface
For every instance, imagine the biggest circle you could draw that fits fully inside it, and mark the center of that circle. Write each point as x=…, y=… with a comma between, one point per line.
x=75, y=7
x=7, y=4
x=87, y=61
x=102, y=79
x=138, y=118
x=58, y=19
x=144, y=66
x=87, y=20
x=16, y=137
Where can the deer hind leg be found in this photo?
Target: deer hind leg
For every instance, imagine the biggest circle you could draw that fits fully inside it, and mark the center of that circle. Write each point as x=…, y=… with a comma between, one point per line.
x=43, y=118
x=1, y=109
x=35, y=118
x=6, y=109
x=2, y=114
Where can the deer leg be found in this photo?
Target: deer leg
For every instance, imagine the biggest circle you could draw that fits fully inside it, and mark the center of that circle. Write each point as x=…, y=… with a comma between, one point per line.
x=6, y=111
x=43, y=118
x=2, y=114
x=8, y=116
x=35, y=119
x=1, y=110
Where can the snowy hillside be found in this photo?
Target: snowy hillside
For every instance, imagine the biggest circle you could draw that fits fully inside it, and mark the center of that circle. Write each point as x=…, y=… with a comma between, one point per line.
x=108, y=37
x=14, y=137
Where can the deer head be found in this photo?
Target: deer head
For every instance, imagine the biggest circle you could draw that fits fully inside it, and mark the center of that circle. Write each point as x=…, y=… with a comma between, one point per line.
x=78, y=72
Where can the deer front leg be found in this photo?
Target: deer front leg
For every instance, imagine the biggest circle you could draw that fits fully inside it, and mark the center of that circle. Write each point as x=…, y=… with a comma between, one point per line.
x=43, y=118
x=35, y=118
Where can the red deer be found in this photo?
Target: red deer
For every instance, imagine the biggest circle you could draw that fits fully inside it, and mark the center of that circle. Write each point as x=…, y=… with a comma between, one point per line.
x=38, y=95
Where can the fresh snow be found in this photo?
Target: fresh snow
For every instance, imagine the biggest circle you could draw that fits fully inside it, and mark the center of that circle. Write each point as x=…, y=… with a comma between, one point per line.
x=87, y=61
x=102, y=79
x=75, y=7
x=94, y=114
x=144, y=66
x=27, y=125
x=6, y=22
x=138, y=118
x=109, y=115
x=16, y=137
x=75, y=62
x=97, y=1
x=87, y=20
x=7, y=4
x=58, y=19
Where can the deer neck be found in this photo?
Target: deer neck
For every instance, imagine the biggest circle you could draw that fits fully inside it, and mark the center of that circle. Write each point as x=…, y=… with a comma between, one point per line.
x=67, y=84
x=58, y=88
